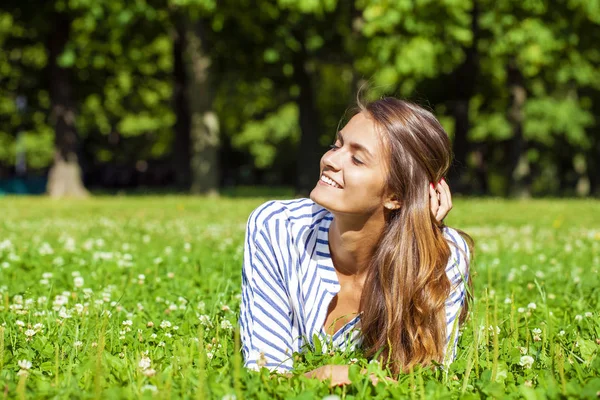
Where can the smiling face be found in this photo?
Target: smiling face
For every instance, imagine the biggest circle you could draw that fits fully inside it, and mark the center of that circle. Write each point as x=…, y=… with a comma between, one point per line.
x=354, y=172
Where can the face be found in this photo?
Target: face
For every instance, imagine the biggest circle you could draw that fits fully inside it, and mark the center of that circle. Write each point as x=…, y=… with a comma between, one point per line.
x=354, y=172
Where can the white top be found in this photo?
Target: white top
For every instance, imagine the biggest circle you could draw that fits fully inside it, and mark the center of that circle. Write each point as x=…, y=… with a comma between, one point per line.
x=288, y=281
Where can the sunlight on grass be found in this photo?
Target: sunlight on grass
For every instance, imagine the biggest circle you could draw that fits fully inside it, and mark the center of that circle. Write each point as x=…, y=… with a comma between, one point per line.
x=125, y=297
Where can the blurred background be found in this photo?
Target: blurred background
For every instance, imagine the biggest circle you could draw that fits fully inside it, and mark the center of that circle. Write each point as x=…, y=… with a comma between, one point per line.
x=207, y=96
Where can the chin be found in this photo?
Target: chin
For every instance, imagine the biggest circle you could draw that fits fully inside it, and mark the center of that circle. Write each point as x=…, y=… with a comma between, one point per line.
x=319, y=196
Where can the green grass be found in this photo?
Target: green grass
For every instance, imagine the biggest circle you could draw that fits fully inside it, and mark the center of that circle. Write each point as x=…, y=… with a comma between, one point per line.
x=92, y=281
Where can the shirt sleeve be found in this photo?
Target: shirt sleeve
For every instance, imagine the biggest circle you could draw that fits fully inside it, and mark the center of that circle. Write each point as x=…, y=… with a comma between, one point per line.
x=265, y=311
x=457, y=271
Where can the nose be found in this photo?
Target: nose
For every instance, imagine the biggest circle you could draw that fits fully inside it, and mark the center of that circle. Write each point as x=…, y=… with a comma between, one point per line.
x=331, y=160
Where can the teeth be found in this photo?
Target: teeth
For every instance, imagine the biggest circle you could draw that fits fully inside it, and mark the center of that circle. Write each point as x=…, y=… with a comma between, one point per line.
x=330, y=182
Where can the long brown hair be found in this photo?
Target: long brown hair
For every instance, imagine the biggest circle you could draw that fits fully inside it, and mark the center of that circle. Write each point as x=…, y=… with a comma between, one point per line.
x=403, y=303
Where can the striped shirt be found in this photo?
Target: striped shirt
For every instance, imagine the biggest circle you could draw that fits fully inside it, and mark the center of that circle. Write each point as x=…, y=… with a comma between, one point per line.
x=288, y=281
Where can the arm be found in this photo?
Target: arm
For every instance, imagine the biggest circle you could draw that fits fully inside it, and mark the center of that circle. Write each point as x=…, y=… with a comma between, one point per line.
x=265, y=314
x=457, y=271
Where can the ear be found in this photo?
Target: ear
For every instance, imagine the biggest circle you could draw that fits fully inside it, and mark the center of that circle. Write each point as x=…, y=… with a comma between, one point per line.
x=392, y=203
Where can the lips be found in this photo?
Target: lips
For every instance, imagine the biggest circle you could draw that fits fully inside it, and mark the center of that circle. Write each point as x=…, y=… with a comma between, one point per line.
x=327, y=180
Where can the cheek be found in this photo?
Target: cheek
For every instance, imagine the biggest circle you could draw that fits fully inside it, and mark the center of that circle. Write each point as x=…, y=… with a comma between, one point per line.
x=371, y=183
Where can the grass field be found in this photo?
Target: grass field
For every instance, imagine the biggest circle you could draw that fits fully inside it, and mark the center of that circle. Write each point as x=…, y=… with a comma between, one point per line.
x=138, y=297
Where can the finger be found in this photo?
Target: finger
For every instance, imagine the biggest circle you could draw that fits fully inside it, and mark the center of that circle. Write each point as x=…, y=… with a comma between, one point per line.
x=434, y=202
x=445, y=200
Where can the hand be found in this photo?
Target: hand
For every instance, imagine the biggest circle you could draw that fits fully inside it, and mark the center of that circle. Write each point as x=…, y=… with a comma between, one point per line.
x=336, y=374
x=440, y=200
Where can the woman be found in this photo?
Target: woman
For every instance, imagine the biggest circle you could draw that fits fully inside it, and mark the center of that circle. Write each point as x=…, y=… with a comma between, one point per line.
x=365, y=261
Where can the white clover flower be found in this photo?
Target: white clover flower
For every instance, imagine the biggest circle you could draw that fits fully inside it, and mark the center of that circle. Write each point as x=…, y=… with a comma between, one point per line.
x=149, y=372
x=588, y=314
x=187, y=246
x=153, y=336
x=165, y=324
x=536, y=331
x=523, y=350
x=38, y=326
x=168, y=250
x=210, y=356
x=201, y=306
x=531, y=306
x=6, y=244
x=161, y=344
x=150, y=388
x=30, y=333
x=145, y=363
x=20, y=323
x=205, y=320
x=128, y=322
x=561, y=333
x=173, y=307
x=168, y=335
x=507, y=300
x=77, y=344
x=24, y=364
x=5, y=265
x=494, y=329
x=60, y=300
x=225, y=324
x=578, y=318
x=79, y=308
x=526, y=362
x=18, y=299
x=63, y=313
x=75, y=274
x=45, y=249
x=78, y=282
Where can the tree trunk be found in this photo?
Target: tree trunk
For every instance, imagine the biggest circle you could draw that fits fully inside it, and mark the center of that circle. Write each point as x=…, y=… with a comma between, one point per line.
x=64, y=177
x=181, y=157
x=520, y=176
x=464, y=80
x=309, y=151
x=203, y=122
x=593, y=161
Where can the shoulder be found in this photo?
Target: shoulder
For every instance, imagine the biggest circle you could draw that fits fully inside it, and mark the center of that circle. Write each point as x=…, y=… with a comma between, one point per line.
x=297, y=212
x=456, y=241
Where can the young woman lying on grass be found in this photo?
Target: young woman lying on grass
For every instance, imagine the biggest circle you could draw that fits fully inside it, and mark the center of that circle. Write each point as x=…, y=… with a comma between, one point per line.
x=366, y=261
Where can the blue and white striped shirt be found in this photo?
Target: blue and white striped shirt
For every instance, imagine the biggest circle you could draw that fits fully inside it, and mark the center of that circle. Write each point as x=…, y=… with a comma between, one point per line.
x=288, y=281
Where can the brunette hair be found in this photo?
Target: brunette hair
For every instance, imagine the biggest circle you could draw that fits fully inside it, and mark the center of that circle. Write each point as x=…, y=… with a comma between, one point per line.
x=403, y=304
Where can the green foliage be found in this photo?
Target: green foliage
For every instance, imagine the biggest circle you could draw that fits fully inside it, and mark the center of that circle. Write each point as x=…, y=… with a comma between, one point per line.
x=121, y=66
x=139, y=297
x=266, y=138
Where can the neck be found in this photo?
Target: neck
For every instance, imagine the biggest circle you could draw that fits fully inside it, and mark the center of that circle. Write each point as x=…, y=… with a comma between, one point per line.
x=352, y=242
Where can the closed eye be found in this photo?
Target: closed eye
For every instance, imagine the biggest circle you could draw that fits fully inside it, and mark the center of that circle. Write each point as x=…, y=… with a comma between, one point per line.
x=356, y=161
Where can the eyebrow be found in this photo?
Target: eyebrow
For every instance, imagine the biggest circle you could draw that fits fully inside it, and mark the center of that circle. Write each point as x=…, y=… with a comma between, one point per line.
x=355, y=146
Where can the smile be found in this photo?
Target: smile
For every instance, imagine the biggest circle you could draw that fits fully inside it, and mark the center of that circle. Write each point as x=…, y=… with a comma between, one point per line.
x=329, y=182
